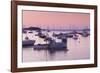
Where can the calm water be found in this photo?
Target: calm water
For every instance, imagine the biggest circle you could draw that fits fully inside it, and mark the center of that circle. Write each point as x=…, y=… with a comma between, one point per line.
x=77, y=49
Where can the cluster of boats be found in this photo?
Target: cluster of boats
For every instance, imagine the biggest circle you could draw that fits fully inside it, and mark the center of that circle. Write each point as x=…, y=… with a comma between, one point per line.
x=51, y=43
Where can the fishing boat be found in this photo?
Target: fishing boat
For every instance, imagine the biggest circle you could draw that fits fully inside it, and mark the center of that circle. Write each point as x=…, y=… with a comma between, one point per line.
x=52, y=44
x=27, y=42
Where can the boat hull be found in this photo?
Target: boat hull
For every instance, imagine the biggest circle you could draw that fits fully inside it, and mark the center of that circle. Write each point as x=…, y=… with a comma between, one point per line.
x=27, y=43
x=57, y=46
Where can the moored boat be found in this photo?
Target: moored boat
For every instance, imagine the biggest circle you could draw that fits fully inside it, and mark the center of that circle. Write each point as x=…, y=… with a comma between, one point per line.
x=27, y=43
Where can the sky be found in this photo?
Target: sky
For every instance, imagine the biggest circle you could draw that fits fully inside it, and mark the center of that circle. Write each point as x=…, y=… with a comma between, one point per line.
x=55, y=20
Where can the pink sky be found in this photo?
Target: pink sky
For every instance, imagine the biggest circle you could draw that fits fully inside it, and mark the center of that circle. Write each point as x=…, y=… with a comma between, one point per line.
x=55, y=20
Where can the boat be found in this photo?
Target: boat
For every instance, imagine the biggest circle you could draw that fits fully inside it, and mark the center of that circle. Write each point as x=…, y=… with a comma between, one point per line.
x=40, y=35
x=85, y=34
x=62, y=35
x=57, y=46
x=75, y=37
x=27, y=43
x=52, y=44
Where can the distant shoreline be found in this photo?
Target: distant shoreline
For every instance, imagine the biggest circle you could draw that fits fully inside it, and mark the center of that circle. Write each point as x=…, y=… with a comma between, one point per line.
x=39, y=29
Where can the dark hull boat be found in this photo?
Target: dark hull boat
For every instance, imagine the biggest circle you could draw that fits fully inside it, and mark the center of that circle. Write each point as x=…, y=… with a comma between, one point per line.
x=58, y=46
x=27, y=43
